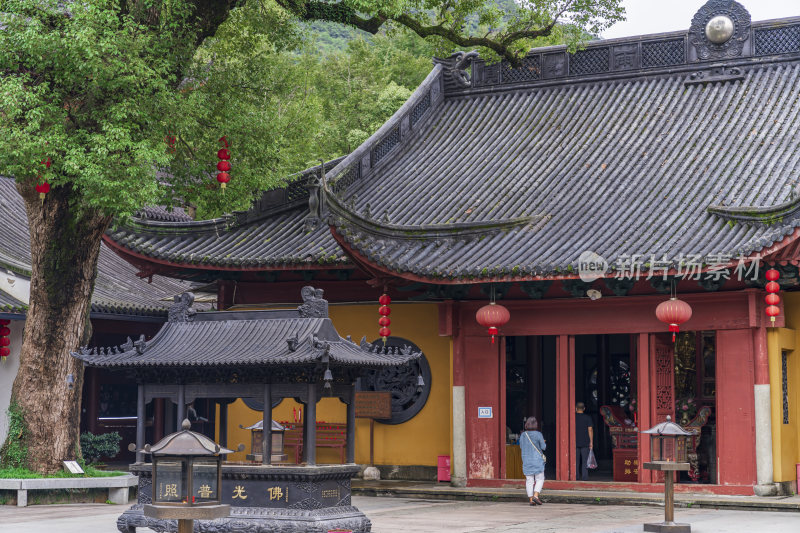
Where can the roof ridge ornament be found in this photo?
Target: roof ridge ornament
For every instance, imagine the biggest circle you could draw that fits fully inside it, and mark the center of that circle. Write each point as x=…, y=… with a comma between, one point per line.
x=314, y=305
x=182, y=310
x=455, y=67
x=720, y=30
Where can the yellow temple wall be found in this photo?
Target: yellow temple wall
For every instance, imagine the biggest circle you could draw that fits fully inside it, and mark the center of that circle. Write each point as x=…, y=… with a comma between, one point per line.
x=785, y=437
x=416, y=442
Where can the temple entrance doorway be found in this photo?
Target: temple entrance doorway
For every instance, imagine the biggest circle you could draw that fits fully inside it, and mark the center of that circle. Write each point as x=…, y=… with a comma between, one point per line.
x=530, y=391
x=605, y=382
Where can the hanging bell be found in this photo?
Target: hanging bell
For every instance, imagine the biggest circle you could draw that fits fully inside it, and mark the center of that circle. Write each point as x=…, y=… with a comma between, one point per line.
x=327, y=378
x=420, y=383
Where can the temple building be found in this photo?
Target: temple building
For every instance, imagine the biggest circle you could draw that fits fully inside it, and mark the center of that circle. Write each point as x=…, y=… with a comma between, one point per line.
x=579, y=191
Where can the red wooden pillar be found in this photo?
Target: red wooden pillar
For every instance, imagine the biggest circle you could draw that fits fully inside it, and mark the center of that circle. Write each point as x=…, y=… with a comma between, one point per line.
x=501, y=402
x=485, y=437
x=735, y=408
x=644, y=402
x=94, y=399
x=565, y=408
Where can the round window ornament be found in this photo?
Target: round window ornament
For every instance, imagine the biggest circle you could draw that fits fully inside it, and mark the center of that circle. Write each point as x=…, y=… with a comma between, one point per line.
x=720, y=29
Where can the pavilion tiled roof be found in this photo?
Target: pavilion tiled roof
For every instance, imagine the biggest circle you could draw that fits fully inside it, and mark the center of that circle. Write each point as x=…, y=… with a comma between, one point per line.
x=272, y=234
x=9, y=304
x=247, y=338
x=118, y=291
x=617, y=149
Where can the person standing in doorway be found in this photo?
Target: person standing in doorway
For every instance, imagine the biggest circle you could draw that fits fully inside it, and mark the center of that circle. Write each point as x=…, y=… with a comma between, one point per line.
x=532, y=445
x=584, y=440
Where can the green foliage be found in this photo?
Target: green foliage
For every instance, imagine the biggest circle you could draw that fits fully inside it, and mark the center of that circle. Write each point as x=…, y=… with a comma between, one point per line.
x=24, y=473
x=14, y=453
x=498, y=28
x=94, y=447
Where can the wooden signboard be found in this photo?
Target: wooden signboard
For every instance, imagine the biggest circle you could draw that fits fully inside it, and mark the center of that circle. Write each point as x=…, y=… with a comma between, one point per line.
x=374, y=405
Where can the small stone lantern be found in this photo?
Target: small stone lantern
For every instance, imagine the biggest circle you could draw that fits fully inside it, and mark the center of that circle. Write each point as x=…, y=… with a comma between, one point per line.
x=187, y=478
x=256, y=440
x=669, y=445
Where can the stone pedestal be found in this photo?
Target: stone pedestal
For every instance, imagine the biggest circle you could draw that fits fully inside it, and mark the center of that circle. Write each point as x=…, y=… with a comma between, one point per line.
x=313, y=499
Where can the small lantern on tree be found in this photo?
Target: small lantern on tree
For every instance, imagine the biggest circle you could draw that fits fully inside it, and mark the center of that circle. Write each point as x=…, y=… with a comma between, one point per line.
x=384, y=320
x=772, y=298
x=674, y=312
x=5, y=331
x=224, y=165
x=42, y=186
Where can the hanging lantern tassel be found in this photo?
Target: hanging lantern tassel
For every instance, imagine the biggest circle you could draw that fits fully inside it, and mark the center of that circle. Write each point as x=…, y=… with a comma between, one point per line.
x=674, y=312
x=772, y=298
x=5, y=351
x=384, y=320
x=493, y=316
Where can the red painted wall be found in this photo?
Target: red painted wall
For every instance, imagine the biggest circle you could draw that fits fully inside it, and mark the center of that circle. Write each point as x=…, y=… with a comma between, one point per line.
x=483, y=389
x=735, y=407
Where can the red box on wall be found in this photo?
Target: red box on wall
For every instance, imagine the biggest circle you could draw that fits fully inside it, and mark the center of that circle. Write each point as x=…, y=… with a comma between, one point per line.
x=444, y=468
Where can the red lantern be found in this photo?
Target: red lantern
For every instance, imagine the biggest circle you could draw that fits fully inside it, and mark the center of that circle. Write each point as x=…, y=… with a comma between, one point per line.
x=224, y=154
x=223, y=178
x=674, y=312
x=772, y=298
x=384, y=320
x=772, y=287
x=223, y=166
x=493, y=316
x=4, y=340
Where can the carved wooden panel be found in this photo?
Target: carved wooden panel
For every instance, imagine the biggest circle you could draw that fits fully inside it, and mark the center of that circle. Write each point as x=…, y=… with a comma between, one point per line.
x=664, y=366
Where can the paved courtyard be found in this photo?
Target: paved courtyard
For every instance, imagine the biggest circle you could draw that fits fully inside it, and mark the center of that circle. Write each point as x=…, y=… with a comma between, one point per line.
x=396, y=515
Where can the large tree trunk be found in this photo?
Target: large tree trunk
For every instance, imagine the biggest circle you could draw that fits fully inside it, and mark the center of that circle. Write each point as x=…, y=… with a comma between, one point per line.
x=65, y=243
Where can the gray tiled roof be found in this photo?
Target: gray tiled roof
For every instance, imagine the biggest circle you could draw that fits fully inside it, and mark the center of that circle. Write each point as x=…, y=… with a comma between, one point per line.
x=9, y=304
x=518, y=182
x=249, y=338
x=117, y=291
x=157, y=212
x=271, y=234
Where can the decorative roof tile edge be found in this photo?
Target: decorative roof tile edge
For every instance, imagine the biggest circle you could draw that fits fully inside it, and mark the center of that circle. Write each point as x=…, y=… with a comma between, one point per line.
x=271, y=202
x=395, y=132
x=340, y=216
x=660, y=53
x=767, y=216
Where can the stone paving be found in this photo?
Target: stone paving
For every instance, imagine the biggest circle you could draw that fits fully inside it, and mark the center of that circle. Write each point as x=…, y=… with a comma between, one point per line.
x=396, y=515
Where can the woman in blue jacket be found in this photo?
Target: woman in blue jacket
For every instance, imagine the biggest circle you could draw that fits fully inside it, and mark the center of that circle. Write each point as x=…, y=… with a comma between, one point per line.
x=532, y=446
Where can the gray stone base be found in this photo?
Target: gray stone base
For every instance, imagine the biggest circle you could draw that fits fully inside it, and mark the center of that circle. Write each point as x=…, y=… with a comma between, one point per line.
x=668, y=527
x=766, y=490
x=405, y=472
x=258, y=520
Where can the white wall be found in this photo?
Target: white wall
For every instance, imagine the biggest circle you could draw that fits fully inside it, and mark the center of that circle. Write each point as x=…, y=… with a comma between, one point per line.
x=8, y=371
